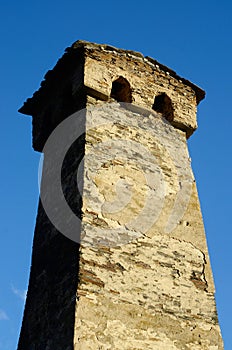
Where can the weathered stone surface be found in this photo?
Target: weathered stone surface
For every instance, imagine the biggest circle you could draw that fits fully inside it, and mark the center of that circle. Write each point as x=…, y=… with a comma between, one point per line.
x=145, y=290
x=141, y=278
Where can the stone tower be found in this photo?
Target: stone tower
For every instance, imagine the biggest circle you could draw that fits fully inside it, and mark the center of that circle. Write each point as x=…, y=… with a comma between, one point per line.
x=119, y=258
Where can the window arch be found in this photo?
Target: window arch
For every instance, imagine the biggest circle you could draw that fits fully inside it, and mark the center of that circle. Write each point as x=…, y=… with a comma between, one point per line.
x=163, y=104
x=121, y=90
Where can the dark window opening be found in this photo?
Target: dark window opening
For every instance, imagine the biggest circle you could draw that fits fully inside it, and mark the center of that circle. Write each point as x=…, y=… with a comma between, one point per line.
x=163, y=105
x=121, y=90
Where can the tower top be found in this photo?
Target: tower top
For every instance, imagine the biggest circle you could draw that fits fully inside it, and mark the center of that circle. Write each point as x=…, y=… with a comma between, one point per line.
x=90, y=71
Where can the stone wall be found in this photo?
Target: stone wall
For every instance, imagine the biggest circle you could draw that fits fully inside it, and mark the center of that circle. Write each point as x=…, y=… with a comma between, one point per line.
x=150, y=289
x=48, y=321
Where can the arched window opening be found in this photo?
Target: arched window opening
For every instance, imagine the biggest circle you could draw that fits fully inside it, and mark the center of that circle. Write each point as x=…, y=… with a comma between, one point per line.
x=121, y=90
x=163, y=104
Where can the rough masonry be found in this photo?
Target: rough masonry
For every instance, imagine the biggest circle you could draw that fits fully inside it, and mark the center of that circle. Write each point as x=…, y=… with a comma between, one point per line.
x=140, y=277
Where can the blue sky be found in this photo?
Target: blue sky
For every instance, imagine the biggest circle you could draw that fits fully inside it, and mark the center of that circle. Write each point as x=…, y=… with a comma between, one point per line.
x=191, y=37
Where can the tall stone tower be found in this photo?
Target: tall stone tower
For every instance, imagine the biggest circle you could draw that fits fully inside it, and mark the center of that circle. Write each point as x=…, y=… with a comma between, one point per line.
x=119, y=258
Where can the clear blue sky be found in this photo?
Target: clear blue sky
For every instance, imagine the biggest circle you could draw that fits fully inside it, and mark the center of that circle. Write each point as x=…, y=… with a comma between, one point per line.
x=192, y=37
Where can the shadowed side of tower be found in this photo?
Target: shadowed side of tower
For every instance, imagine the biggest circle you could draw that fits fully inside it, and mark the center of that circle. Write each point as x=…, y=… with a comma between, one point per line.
x=136, y=273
